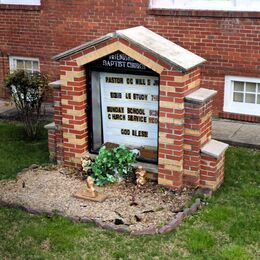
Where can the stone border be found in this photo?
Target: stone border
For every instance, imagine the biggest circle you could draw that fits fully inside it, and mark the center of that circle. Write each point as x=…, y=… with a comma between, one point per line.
x=174, y=223
x=170, y=226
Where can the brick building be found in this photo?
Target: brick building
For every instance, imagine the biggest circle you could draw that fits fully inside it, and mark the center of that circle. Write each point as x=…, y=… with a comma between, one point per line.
x=33, y=31
x=225, y=33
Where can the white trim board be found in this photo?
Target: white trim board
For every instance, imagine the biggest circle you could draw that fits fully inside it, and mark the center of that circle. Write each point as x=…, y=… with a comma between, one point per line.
x=221, y=5
x=21, y=2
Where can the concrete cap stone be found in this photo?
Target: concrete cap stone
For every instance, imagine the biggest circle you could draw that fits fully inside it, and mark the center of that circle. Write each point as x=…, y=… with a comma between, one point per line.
x=55, y=84
x=147, y=40
x=201, y=95
x=50, y=126
x=166, y=50
x=214, y=148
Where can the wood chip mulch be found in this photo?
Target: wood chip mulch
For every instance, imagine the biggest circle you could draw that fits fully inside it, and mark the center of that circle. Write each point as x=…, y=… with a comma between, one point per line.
x=127, y=206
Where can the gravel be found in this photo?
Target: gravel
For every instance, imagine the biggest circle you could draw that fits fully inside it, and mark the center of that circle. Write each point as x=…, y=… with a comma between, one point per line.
x=138, y=209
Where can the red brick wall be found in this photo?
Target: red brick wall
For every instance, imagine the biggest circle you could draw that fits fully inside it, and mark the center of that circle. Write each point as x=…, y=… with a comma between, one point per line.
x=52, y=145
x=212, y=171
x=228, y=40
x=198, y=127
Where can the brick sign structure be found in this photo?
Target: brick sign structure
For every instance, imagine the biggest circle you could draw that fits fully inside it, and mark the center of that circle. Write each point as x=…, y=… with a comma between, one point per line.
x=136, y=87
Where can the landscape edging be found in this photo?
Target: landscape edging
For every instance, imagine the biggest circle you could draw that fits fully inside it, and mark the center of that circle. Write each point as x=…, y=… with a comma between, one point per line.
x=170, y=226
x=174, y=223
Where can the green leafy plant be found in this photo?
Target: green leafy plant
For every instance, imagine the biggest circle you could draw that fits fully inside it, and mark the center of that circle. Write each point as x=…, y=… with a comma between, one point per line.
x=28, y=91
x=124, y=160
x=103, y=167
x=111, y=165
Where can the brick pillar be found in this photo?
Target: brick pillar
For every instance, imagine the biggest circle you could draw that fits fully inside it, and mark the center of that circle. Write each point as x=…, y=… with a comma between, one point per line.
x=171, y=127
x=198, y=125
x=52, y=141
x=212, y=171
x=73, y=109
x=4, y=65
x=52, y=144
x=58, y=121
x=197, y=132
x=212, y=164
x=1, y=74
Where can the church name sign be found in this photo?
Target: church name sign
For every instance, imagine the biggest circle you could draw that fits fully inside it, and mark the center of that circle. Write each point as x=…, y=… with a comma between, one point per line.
x=120, y=62
x=129, y=109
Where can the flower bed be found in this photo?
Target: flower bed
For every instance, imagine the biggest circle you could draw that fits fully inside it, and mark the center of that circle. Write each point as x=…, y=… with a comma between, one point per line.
x=145, y=210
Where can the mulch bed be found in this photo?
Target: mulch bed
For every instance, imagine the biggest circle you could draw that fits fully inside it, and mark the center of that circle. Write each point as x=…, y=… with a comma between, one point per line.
x=128, y=207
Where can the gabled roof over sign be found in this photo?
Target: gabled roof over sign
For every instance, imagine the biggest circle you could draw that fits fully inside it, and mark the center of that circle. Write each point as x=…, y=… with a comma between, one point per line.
x=149, y=41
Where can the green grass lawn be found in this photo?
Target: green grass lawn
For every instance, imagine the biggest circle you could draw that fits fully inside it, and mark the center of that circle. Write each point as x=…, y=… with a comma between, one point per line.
x=16, y=152
x=227, y=228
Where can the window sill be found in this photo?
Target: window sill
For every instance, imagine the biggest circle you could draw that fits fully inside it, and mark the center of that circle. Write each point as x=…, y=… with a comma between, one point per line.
x=242, y=111
x=20, y=7
x=203, y=13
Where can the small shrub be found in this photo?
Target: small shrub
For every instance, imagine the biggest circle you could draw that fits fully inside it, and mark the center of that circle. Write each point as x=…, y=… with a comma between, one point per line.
x=111, y=165
x=28, y=91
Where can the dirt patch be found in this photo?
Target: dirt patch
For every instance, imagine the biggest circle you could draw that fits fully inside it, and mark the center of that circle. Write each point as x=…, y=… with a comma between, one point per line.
x=127, y=205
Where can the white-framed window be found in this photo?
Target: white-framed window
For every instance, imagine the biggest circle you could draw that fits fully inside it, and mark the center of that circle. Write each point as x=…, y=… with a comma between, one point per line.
x=24, y=63
x=21, y=2
x=224, y=5
x=242, y=95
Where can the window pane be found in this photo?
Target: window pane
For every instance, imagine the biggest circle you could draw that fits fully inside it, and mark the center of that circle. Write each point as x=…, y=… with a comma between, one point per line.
x=19, y=65
x=238, y=86
x=258, y=99
x=250, y=98
x=250, y=87
x=238, y=97
x=28, y=65
x=258, y=88
x=35, y=65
